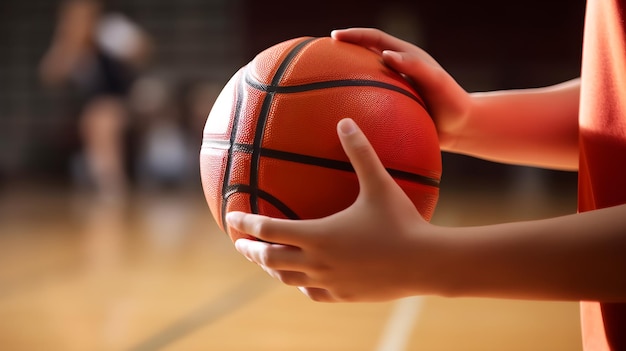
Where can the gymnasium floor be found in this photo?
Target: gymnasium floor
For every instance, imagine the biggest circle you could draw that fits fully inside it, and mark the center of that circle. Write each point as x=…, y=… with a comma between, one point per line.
x=156, y=274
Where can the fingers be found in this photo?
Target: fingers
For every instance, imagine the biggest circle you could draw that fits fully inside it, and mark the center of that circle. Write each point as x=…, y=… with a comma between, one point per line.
x=273, y=256
x=399, y=54
x=279, y=261
x=271, y=230
x=372, y=175
x=317, y=294
x=371, y=38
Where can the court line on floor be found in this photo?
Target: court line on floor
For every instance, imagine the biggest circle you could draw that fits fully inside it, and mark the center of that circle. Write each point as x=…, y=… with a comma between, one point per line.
x=251, y=288
x=397, y=332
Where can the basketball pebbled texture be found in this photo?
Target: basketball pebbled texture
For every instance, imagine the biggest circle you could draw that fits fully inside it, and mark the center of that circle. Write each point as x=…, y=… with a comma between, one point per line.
x=270, y=144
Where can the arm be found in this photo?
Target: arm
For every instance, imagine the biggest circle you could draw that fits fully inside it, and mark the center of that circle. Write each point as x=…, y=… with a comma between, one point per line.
x=380, y=248
x=532, y=127
x=574, y=257
x=535, y=127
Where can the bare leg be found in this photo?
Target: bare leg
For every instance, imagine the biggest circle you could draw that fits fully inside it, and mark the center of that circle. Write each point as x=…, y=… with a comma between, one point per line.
x=102, y=129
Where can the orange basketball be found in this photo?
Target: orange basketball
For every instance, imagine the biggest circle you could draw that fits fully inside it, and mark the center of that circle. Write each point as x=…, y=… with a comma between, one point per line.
x=270, y=144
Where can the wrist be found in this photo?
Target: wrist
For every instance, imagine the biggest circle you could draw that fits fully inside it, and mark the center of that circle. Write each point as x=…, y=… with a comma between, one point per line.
x=452, y=123
x=436, y=262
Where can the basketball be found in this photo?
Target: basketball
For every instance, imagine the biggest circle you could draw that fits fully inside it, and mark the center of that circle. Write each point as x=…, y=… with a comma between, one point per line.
x=270, y=144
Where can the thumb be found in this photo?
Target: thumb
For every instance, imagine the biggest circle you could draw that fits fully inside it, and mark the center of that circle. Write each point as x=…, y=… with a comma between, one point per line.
x=369, y=169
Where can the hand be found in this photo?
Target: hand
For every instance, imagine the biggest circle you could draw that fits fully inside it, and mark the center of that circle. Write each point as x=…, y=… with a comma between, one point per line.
x=371, y=251
x=447, y=102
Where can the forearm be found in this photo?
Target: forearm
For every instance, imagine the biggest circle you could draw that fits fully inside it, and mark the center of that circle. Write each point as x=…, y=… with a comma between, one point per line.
x=575, y=257
x=534, y=127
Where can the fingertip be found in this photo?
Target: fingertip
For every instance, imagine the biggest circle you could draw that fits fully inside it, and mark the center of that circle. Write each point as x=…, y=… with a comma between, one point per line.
x=240, y=244
x=316, y=294
x=234, y=218
x=393, y=55
x=347, y=126
x=362, y=155
x=336, y=32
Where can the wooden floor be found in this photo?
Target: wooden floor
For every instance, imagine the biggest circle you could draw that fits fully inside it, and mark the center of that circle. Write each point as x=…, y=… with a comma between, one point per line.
x=157, y=274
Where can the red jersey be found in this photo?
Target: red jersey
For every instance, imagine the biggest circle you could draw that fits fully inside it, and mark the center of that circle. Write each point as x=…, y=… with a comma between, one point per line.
x=602, y=170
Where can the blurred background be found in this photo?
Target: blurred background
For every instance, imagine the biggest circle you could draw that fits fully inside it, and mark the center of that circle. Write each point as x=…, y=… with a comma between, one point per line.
x=197, y=45
x=106, y=242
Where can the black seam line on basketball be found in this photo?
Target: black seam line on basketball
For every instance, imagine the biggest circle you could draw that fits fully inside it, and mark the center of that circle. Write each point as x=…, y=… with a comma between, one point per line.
x=274, y=201
x=321, y=162
x=220, y=144
x=280, y=72
x=229, y=165
x=262, y=120
x=343, y=165
x=340, y=83
x=225, y=145
x=330, y=84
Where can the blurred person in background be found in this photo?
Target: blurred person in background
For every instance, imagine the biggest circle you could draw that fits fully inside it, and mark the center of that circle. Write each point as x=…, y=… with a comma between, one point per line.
x=165, y=154
x=99, y=54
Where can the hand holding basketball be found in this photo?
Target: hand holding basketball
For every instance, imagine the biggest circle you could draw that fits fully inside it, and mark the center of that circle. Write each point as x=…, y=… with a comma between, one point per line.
x=352, y=255
x=333, y=216
x=270, y=145
x=446, y=100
